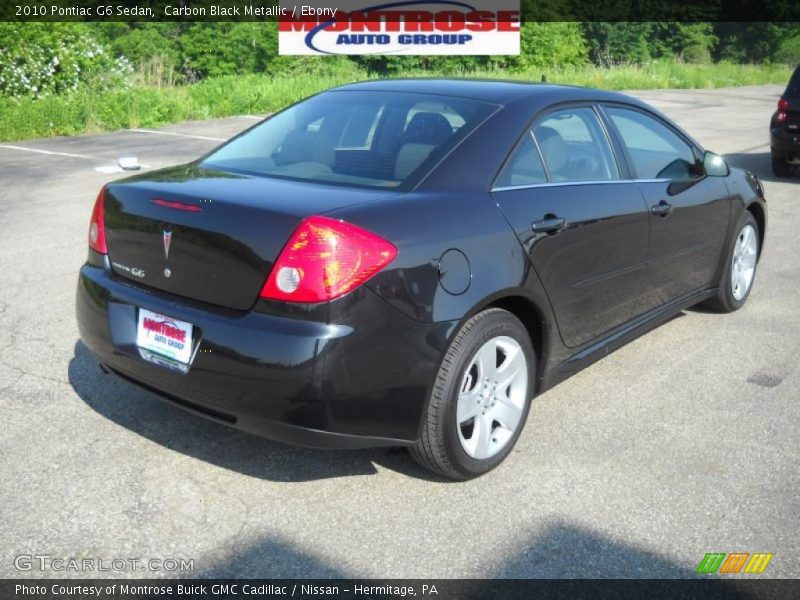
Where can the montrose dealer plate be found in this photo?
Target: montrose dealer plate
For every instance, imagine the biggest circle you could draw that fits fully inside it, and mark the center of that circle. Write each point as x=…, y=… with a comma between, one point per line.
x=164, y=336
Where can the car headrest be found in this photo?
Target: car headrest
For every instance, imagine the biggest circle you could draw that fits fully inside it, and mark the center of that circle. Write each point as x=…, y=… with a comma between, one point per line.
x=300, y=145
x=427, y=128
x=554, y=148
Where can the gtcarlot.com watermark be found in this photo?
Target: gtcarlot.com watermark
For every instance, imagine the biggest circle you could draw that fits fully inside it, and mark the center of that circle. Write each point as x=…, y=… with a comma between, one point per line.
x=60, y=564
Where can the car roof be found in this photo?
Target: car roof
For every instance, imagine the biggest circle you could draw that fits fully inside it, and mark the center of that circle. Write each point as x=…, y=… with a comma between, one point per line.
x=498, y=91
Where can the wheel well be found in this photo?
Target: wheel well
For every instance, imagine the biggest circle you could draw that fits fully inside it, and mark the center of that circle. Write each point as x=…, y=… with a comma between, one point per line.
x=758, y=214
x=527, y=312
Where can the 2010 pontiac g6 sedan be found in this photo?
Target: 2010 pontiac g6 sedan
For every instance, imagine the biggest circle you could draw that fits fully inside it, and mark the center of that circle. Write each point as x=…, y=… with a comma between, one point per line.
x=408, y=263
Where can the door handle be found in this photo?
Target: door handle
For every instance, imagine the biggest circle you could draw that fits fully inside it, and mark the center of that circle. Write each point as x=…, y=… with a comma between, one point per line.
x=662, y=209
x=550, y=224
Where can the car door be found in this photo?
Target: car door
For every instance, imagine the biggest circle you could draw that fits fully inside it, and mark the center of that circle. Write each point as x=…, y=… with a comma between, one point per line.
x=688, y=211
x=585, y=229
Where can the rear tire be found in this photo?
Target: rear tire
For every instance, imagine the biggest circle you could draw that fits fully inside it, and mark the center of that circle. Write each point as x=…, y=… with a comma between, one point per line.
x=741, y=264
x=480, y=398
x=781, y=168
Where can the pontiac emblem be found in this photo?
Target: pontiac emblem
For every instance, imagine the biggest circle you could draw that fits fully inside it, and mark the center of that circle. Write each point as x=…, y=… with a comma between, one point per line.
x=167, y=241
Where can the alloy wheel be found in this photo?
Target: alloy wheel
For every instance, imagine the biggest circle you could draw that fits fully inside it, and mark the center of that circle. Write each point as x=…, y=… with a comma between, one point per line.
x=743, y=266
x=492, y=397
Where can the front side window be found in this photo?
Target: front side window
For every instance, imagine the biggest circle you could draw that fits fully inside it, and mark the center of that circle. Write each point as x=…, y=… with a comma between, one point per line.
x=656, y=151
x=366, y=138
x=351, y=128
x=454, y=119
x=575, y=147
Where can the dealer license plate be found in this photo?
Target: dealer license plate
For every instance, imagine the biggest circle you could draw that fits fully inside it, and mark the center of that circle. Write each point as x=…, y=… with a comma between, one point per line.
x=164, y=335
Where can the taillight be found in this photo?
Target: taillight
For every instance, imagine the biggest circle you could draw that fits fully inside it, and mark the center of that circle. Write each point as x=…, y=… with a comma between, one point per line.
x=97, y=229
x=783, y=104
x=325, y=259
x=780, y=117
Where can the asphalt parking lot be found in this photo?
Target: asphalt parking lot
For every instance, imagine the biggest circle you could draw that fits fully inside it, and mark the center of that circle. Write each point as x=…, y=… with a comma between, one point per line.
x=683, y=442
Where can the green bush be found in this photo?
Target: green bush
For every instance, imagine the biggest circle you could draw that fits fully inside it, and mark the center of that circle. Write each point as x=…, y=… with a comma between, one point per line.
x=752, y=42
x=322, y=66
x=37, y=59
x=88, y=110
x=693, y=42
x=67, y=78
x=141, y=42
x=551, y=45
x=697, y=54
x=638, y=43
x=213, y=49
x=789, y=51
x=619, y=43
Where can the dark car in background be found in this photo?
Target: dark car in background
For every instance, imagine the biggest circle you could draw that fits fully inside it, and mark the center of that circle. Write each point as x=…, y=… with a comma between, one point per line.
x=408, y=263
x=784, y=130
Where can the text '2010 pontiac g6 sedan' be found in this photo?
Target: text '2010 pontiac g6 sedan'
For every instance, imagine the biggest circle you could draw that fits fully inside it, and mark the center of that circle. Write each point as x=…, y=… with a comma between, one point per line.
x=408, y=263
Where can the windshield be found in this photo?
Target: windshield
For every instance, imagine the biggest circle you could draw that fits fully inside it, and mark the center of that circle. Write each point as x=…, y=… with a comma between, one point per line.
x=367, y=138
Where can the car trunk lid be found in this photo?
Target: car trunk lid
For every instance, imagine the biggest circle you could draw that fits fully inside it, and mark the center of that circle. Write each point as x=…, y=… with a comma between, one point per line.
x=792, y=122
x=210, y=235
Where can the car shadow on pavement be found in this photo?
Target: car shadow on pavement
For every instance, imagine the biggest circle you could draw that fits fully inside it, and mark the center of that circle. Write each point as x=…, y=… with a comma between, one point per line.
x=759, y=163
x=144, y=414
x=560, y=551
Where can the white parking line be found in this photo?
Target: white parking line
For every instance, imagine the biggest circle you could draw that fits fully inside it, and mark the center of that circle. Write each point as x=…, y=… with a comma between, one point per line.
x=38, y=151
x=172, y=133
x=101, y=169
x=253, y=117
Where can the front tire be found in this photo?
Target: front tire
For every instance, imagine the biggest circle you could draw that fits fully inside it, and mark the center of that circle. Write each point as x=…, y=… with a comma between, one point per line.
x=741, y=264
x=480, y=399
x=781, y=168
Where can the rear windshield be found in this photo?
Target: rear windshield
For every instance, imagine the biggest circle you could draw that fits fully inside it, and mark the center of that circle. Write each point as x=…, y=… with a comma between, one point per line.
x=374, y=139
x=793, y=89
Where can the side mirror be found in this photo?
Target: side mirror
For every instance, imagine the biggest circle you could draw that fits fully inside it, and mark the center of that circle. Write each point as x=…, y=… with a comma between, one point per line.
x=714, y=165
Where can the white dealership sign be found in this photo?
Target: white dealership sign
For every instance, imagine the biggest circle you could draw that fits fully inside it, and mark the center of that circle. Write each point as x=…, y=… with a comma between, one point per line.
x=400, y=28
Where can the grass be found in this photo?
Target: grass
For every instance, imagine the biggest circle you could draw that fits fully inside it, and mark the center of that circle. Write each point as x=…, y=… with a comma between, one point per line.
x=87, y=111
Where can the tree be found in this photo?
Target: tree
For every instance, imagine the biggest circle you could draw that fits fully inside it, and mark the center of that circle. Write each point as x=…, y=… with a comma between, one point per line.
x=210, y=49
x=618, y=43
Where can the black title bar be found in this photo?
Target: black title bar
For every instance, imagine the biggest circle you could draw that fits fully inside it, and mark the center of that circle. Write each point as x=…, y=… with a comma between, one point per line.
x=270, y=10
x=433, y=589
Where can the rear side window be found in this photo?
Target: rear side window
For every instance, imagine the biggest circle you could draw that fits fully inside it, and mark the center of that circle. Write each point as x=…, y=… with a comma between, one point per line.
x=364, y=138
x=524, y=167
x=793, y=88
x=657, y=152
x=575, y=147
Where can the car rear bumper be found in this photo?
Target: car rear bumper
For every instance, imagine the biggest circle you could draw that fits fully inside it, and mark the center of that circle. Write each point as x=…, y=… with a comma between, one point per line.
x=331, y=385
x=784, y=144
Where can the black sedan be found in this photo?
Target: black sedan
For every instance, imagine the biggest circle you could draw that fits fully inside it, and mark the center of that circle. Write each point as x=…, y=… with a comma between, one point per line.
x=784, y=130
x=408, y=263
